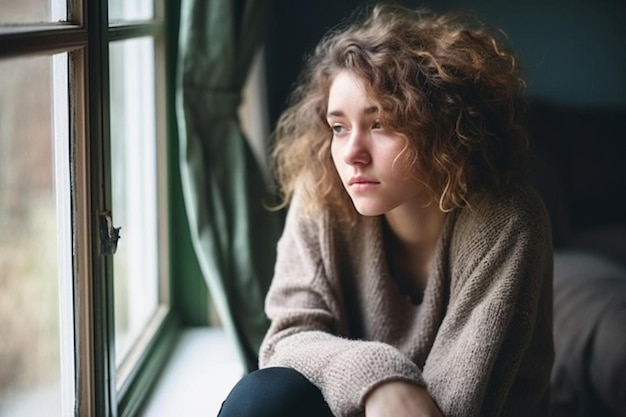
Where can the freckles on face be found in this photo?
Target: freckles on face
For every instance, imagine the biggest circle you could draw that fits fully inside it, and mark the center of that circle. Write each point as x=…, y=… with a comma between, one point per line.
x=367, y=157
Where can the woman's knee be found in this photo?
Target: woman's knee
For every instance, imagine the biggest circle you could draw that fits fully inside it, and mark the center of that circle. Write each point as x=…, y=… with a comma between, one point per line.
x=275, y=392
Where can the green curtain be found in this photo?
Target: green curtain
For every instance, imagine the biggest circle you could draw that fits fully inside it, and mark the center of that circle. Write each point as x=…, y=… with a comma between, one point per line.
x=233, y=234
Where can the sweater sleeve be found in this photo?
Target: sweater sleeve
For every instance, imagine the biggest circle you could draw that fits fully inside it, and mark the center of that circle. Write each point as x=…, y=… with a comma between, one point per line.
x=493, y=352
x=308, y=326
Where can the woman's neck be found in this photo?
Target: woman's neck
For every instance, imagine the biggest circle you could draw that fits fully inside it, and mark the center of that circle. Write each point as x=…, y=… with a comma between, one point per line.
x=416, y=227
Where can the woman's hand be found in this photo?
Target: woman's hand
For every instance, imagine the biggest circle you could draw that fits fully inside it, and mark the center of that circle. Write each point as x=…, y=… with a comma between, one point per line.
x=400, y=399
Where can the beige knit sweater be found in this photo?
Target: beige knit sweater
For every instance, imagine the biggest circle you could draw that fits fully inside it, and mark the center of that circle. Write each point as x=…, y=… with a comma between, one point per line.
x=480, y=341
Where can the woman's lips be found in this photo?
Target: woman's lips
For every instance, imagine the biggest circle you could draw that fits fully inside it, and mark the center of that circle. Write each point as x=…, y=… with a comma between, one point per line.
x=362, y=183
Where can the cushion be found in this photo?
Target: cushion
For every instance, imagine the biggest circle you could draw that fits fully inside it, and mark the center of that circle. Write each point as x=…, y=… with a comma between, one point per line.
x=589, y=375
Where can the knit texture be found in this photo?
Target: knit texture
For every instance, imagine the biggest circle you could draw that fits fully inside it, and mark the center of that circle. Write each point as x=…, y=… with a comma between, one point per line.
x=480, y=341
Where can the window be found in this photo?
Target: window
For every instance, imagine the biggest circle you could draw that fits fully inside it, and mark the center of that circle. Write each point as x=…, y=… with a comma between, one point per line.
x=34, y=210
x=85, y=318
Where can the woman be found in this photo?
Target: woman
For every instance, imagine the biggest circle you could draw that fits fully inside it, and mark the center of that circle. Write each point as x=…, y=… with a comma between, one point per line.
x=414, y=273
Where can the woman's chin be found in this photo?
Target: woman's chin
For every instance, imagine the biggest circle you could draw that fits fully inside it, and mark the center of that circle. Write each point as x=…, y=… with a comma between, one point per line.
x=368, y=210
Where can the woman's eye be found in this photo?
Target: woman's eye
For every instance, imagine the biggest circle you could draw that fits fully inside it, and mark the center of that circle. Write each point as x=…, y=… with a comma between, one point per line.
x=377, y=125
x=338, y=129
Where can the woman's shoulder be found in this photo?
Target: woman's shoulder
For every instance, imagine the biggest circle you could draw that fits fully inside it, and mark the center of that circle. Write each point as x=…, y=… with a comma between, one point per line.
x=516, y=214
x=504, y=232
x=519, y=205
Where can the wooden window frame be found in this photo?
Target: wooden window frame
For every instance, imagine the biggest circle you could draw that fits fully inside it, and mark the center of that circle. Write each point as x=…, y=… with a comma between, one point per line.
x=86, y=37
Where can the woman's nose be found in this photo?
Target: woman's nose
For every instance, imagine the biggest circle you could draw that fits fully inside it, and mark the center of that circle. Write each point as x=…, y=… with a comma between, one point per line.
x=356, y=151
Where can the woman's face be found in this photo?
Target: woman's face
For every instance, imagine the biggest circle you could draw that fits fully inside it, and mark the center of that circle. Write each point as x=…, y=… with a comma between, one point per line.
x=366, y=156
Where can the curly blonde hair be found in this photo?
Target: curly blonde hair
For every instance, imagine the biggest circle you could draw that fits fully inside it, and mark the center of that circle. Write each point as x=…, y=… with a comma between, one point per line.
x=443, y=81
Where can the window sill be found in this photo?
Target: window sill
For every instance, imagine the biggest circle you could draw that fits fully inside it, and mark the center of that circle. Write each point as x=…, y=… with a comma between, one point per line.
x=199, y=375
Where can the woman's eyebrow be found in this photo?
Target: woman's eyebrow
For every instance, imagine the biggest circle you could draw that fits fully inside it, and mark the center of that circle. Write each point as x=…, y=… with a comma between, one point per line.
x=370, y=110
x=335, y=113
x=366, y=111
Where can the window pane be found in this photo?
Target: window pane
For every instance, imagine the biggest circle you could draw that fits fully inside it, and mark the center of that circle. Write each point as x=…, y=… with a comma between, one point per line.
x=32, y=11
x=134, y=188
x=35, y=237
x=120, y=10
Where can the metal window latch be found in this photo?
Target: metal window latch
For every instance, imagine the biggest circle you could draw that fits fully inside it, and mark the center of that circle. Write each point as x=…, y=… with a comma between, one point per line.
x=109, y=234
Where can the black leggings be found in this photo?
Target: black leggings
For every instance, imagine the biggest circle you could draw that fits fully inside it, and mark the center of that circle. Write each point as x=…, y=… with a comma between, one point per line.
x=275, y=392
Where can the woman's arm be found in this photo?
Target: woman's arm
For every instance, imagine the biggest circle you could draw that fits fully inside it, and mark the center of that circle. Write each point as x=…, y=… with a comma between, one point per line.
x=400, y=399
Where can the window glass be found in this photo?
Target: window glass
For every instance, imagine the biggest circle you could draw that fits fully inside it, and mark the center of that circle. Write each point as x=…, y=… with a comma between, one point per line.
x=134, y=189
x=35, y=236
x=32, y=11
x=120, y=10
